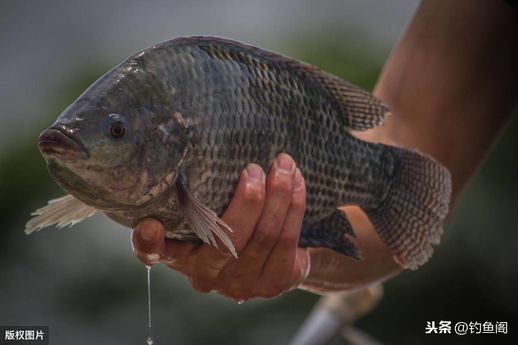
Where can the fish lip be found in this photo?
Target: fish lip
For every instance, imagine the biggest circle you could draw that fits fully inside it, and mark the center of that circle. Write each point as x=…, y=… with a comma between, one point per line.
x=55, y=141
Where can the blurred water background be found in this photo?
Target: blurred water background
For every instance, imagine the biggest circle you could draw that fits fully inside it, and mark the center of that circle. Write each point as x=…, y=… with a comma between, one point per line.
x=85, y=282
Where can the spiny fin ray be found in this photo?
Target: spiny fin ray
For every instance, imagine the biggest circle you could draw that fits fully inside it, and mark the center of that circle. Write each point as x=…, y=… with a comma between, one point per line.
x=204, y=222
x=360, y=110
x=63, y=211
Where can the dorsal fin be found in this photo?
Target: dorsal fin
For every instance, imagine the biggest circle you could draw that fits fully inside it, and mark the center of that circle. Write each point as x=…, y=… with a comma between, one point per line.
x=360, y=109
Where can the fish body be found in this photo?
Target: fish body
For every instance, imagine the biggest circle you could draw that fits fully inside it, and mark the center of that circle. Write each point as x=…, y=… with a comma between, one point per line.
x=168, y=131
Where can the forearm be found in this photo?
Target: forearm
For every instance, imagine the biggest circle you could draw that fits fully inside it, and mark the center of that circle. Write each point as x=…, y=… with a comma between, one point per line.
x=450, y=83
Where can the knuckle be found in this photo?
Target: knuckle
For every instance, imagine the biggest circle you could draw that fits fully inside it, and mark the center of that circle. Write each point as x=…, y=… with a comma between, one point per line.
x=271, y=288
x=288, y=236
x=299, y=204
x=201, y=289
x=271, y=221
x=282, y=185
x=201, y=285
x=270, y=292
x=236, y=293
x=265, y=235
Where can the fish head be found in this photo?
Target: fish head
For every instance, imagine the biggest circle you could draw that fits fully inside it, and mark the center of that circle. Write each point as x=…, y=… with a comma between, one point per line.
x=112, y=153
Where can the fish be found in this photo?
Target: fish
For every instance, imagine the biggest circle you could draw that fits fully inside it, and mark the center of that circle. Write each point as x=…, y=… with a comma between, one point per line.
x=166, y=133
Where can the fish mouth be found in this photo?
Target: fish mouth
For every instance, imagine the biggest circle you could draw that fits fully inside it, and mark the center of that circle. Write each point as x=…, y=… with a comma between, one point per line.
x=55, y=141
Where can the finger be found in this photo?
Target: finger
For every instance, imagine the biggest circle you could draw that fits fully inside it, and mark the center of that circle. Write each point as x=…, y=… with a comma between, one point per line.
x=148, y=241
x=243, y=211
x=279, y=190
x=177, y=254
x=243, y=275
x=241, y=215
x=276, y=276
x=301, y=267
x=246, y=206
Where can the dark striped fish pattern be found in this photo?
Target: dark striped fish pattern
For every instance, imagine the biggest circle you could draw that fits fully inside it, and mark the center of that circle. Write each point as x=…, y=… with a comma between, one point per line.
x=168, y=131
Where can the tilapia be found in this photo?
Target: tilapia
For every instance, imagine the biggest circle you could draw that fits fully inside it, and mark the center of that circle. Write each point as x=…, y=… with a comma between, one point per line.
x=166, y=133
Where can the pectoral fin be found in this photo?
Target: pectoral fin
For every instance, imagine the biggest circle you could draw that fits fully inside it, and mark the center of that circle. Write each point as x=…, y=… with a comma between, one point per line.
x=204, y=222
x=63, y=211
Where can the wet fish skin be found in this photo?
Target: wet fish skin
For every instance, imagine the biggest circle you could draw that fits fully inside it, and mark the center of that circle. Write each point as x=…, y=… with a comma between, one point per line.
x=254, y=118
x=200, y=109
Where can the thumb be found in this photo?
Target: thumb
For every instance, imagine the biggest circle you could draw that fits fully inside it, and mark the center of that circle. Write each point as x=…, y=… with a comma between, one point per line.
x=148, y=241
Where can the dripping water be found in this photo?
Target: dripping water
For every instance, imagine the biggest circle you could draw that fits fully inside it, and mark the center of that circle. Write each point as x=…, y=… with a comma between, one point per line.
x=149, y=339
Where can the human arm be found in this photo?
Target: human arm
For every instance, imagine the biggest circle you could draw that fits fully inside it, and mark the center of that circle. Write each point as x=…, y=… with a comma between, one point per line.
x=451, y=84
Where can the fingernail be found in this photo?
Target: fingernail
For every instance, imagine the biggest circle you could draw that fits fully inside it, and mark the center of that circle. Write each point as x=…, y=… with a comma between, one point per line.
x=298, y=180
x=285, y=164
x=147, y=231
x=255, y=172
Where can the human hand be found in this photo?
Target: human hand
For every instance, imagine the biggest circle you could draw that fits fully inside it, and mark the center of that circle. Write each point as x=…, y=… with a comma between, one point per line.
x=266, y=216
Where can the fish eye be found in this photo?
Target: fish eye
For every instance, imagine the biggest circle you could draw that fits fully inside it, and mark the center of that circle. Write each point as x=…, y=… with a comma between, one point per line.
x=116, y=125
x=117, y=129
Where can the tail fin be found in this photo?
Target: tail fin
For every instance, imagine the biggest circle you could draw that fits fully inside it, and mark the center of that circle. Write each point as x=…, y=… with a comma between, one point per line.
x=410, y=217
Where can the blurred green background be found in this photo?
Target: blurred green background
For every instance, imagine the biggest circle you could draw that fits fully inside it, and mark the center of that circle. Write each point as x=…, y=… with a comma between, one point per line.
x=85, y=282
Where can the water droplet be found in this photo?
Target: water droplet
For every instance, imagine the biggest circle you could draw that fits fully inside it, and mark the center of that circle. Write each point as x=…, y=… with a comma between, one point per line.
x=241, y=301
x=149, y=339
x=148, y=268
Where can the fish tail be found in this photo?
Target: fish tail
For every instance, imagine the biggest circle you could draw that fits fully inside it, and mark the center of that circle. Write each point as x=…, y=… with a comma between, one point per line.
x=410, y=217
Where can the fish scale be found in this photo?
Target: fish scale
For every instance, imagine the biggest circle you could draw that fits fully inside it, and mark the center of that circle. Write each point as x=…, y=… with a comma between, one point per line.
x=271, y=104
x=193, y=112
